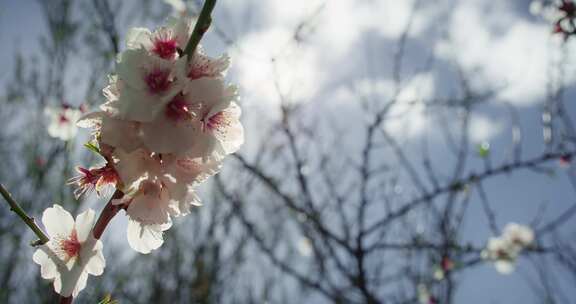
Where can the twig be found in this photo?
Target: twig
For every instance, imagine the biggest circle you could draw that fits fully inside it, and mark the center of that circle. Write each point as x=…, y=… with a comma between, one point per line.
x=42, y=238
x=107, y=214
x=202, y=25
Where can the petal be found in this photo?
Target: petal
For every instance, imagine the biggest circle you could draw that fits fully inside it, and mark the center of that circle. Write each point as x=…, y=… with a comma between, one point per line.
x=133, y=167
x=58, y=222
x=93, y=257
x=130, y=68
x=91, y=120
x=151, y=204
x=504, y=267
x=139, y=105
x=71, y=282
x=48, y=267
x=84, y=224
x=80, y=283
x=145, y=238
x=138, y=37
x=183, y=135
x=120, y=134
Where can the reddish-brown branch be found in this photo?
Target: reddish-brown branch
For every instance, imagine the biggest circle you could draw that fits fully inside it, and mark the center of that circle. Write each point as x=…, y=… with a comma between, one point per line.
x=107, y=214
x=66, y=300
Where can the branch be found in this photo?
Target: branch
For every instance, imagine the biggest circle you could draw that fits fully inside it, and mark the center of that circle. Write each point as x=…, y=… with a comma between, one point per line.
x=202, y=25
x=458, y=184
x=107, y=214
x=42, y=238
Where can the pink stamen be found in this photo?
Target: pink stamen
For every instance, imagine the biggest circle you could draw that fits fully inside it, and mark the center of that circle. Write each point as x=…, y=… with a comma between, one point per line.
x=95, y=178
x=165, y=47
x=71, y=246
x=158, y=81
x=62, y=119
x=178, y=109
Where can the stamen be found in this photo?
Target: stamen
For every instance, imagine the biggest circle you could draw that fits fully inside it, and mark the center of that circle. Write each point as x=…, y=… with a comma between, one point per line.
x=158, y=81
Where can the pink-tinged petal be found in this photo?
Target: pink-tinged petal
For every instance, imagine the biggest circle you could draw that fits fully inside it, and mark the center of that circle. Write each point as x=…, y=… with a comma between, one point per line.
x=145, y=238
x=84, y=224
x=120, y=134
x=164, y=135
x=205, y=66
x=150, y=204
x=208, y=92
x=227, y=128
x=58, y=222
x=135, y=166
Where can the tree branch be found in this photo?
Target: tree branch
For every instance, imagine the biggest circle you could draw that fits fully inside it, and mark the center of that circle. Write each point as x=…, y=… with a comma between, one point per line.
x=14, y=207
x=202, y=25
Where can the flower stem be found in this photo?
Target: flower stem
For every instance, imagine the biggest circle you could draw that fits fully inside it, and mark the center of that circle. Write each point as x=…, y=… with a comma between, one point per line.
x=42, y=238
x=110, y=210
x=202, y=25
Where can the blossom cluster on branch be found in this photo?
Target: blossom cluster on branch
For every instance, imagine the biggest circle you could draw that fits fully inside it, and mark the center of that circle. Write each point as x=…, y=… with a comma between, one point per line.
x=562, y=13
x=168, y=121
x=505, y=249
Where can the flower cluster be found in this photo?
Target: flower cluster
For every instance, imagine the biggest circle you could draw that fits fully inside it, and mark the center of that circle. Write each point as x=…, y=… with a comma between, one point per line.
x=504, y=250
x=167, y=124
x=562, y=13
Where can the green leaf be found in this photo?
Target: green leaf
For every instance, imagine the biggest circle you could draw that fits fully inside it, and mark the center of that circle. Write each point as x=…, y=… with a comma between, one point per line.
x=483, y=149
x=108, y=300
x=92, y=147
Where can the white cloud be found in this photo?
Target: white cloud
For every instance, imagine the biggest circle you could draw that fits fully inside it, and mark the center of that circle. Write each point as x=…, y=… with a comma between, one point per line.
x=483, y=128
x=506, y=51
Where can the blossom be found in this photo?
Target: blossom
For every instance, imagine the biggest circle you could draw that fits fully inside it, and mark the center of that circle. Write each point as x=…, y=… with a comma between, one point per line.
x=62, y=121
x=165, y=127
x=204, y=118
x=145, y=84
x=504, y=250
x=165, y=41
x=72, y=252
x=94, y=178
x=156, y=188
x=518, y=235
x=424, y=295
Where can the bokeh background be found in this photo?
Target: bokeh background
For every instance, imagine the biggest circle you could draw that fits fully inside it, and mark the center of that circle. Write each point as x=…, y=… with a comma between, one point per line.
x=383, y=139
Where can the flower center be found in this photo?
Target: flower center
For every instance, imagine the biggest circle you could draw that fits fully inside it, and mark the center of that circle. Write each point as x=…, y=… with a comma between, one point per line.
x=62, y=119
x=158, y=81
x=178, y=109
x=165, y=47
x=71, y=246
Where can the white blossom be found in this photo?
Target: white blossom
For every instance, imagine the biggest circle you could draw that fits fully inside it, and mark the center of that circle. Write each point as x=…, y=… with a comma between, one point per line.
x=504, y=250
x=165, y=127
x=72, y=253
x=62, y=121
